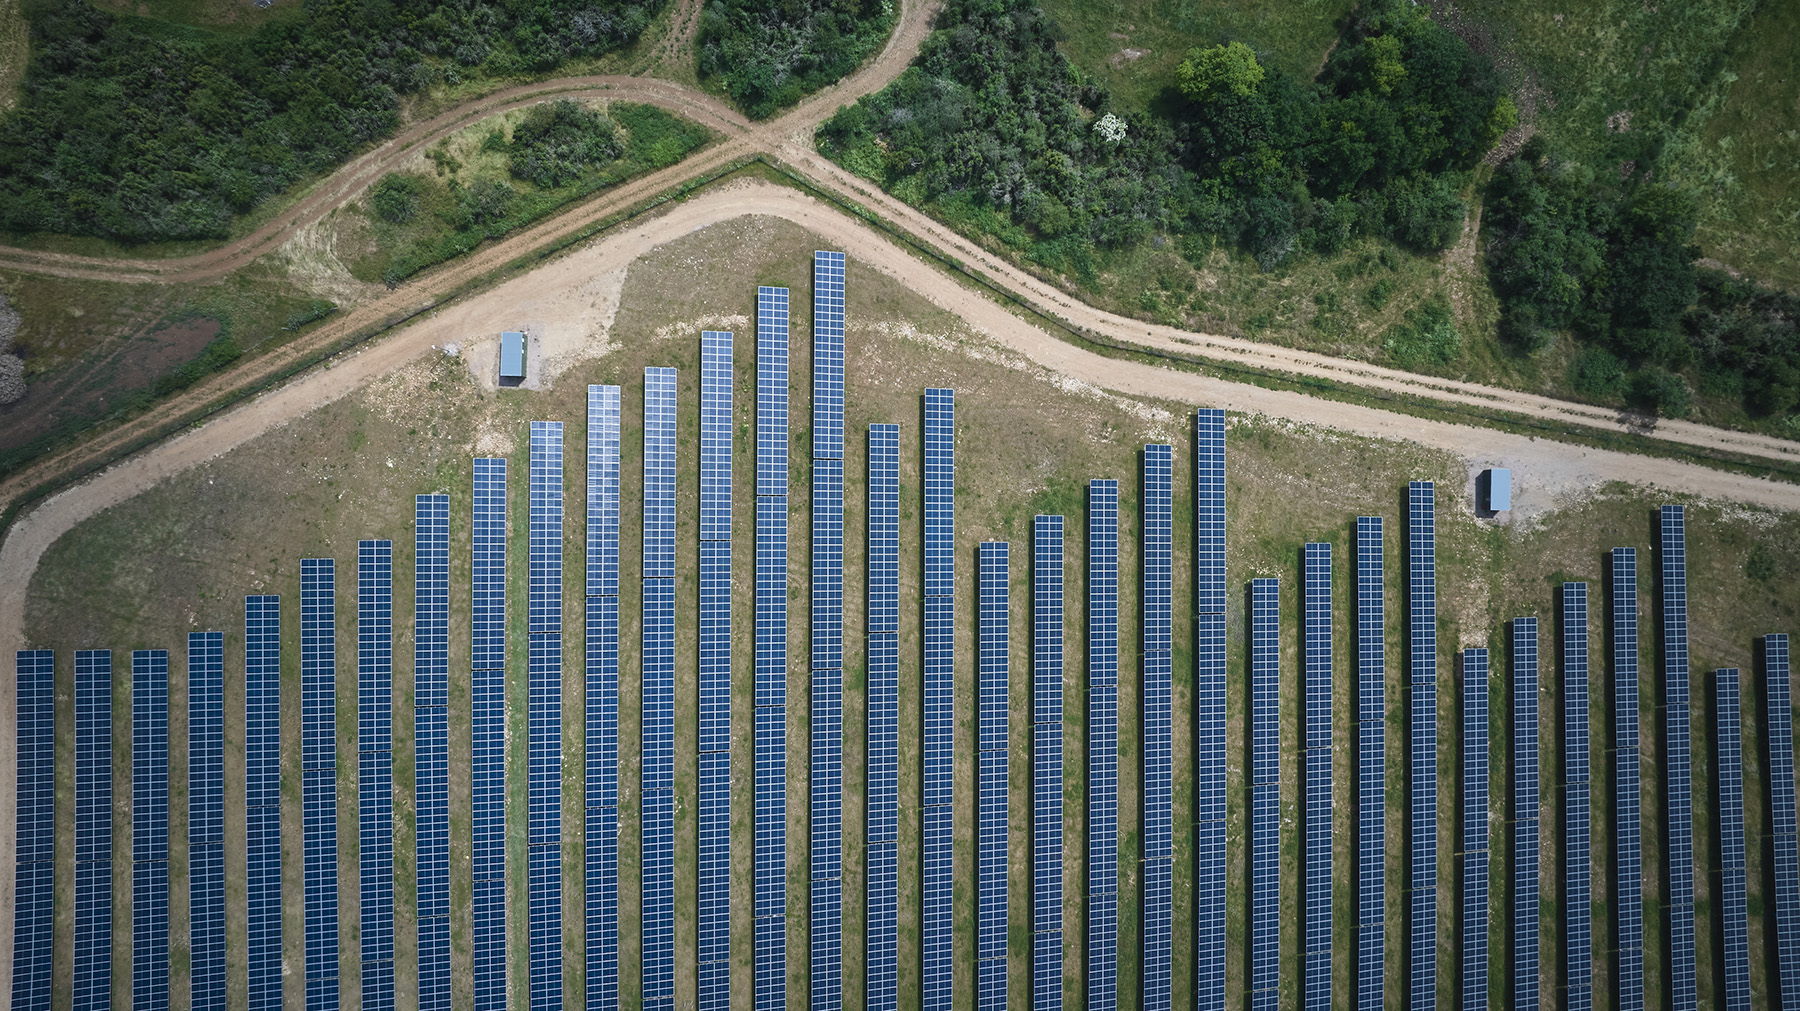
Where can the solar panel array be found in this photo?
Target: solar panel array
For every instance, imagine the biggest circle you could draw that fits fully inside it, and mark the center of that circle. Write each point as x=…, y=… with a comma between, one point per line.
x=1782, y=829
x=1421, y=558
x=1628, y=892
x=150, y=830
x=93, y=834
x=1103, y=744
x=1265, y=794
x=1046, y=763
x=601, y=880
x=543, y=839
x=1732, y=900
x=712, y=954
x=1371, y=764
x=318, y=776
x=1475, y=830
x=262, y=802
x=991, y=831
x=206, y=820
x=1209, y=710
x=1678, y=807
x=1525, y=911
x=431, y=745
x=771, y=646
x=658, y=744
x=1578, y=926
x=938, y=697
x=1316, y=936
x=375, y=768
x=1158, y=745
x=880, y=858
x=34, y=889
x=828, y=633
x=487, y=726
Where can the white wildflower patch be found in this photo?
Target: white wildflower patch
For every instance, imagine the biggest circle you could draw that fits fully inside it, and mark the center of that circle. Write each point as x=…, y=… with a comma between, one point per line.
x=1110, y=128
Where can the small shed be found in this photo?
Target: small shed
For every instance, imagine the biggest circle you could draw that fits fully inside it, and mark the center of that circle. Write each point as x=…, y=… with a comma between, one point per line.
x=512, y=355
x=1499, y=490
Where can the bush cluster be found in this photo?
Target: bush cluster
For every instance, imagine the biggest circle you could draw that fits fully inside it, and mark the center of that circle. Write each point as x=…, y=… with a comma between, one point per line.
x=769, y=53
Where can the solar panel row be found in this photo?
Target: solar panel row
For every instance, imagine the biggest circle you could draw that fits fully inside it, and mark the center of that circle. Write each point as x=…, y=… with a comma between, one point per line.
x=1678, y=807
x=318, y=776
x=712, y=955
x=206, y=820
x=827, y=632
x=1371, y=764
x=150, y=829
x=487, y=716
x=543, y=839
x=375, y=768
x=1316, y=937
x=657, y=879
x=1785, y=844
x=938, y=697
x=262, y=805
x=1265, y=794
x=1047, y=762
x=602, y=756
x=1577, y=892
x=880, y=858
x=35, y=853
x=1209, y=710
x=1158, y=745
x=1628, y=898
x=1732, y=900
x=93, y=833
x=1421, y=558
x=431, y=746
x=993, y=574
x=1103, y=744
x=1525, y=813
x=771, y=647
x=1475, y=830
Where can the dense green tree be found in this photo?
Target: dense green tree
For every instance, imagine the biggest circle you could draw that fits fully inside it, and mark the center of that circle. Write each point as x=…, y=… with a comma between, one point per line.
x=558, y=141
x=1219, y=71
x=769, y=53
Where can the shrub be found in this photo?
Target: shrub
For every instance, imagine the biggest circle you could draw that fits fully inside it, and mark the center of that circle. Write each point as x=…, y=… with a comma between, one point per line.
x=396, y=197
x=558, y=141
x=1597, y=373
x=1662, y=392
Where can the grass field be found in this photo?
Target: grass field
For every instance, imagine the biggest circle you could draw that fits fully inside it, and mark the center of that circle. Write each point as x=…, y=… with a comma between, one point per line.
x=180, y=557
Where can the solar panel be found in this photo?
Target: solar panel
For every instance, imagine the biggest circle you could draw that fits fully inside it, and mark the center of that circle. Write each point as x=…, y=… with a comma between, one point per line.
x=938, y=701
x=880, y=919
x=1316, y=938
x=1103, y=744
x=657, y=761
x=1525, y=911
x=150, y=829
x=375, y=768
x=827, y=632
x=544, y=750
x=713, y=948
x=92, y=980
x=601, y=880
x=1678, y=807
x=771, y=647
x=262, y=804
x=1158, y=833
x=1577, y=866
x=1209, y=710
x=431, y=746
x=1265, y=794
x=1047, y=762
x=1785, y=846
x=1475, y=830
x=993, y=574
x=1628, y=890
x=1371, y=764
x=34, y=892
x=318, y=776
x=1733, y=909
x=487, y=725
x=1421, y=558
x=206, y=820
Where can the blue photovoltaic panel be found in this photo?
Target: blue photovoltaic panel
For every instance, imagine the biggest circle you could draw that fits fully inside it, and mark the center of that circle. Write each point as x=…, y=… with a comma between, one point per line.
x=1103, y=744
x=1421, y=558
x=1475, y=831
x=771, y=647
x=1732, y=909
x=1316, y=940
x=1046, y=762
x=318, y=776
x=262, y=801
x=34, y=889
x=543, y=840
x=657, y=764
x=1265, y=794
x=827, y=970
x=1628, y=891
x=375, y=767
x=206, y=820
x=1525, y=911
x=993, y=573
x=938, y=701
x=1786, y=847
x=713, y=949
x=1577, y=891
x=880, y=920
x=431, y=746
x=487, y=725
x=1371, y=764
x=150, y=830
x=1158, y=832
x=1678, y=807
x=93, y=832
x=602, y=785
x=1209, y=710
